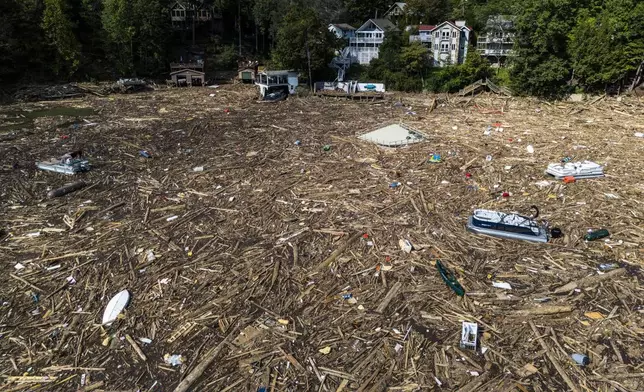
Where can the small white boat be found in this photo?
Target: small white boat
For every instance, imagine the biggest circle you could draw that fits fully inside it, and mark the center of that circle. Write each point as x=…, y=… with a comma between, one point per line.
x=578, y=170
x=513, y=226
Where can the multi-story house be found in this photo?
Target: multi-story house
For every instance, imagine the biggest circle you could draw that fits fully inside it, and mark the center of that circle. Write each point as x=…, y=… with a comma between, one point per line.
x=365, y=45
x=447, y=42
x=497, y=41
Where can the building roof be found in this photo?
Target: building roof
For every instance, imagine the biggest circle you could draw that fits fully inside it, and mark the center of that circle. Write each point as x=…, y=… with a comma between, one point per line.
x=382, y=24
x=343, y=26
x=451, y=24
x=187, y=70
x=278, y=73
x=426, y=27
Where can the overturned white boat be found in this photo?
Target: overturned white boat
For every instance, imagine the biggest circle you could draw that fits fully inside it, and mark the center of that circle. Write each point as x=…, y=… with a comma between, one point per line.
x=513, y=226
x=578, y=170
x=70, y=163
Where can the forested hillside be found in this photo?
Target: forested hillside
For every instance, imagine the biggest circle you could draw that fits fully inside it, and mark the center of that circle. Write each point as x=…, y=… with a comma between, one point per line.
x=561, y=45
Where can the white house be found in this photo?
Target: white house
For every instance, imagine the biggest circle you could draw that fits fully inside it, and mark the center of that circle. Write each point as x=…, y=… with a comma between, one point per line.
x=397, y=9
x=498, y=40
x=365, y=46
x=342, y=30
x=447, y=41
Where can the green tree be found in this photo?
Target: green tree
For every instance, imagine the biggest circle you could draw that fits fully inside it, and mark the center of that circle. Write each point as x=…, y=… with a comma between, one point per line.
x=358, y=11
x=541, y=63
x=415, y=59
x=301, y=36
x=118, y=22
x=428, y=11
x=60, y=34
x=607, y=48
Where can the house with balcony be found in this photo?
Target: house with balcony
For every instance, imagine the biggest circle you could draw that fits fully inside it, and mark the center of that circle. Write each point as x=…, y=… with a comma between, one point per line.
x=496, y=43
x=447, y=42
x=365, y=45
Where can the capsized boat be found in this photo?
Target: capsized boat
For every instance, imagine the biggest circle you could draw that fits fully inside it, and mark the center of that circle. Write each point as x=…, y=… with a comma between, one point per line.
x=513, y=226
x=70, y=163
x=578, y=170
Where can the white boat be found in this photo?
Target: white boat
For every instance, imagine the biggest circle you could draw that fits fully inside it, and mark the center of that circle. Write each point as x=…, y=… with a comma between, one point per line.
x=513, y=226
x=578, y=170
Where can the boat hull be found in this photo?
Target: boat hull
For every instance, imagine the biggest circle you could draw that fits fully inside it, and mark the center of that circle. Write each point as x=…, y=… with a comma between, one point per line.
x=541, y=238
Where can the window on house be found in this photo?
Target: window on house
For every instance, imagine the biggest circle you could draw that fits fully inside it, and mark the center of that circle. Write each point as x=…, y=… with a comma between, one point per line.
x=435, y=46
x=437, y=34
x=453, y=46
x=454, y=33
x=444, y=48
x=445, y=34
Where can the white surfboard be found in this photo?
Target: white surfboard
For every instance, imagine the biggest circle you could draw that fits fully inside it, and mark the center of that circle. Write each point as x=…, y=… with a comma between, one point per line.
x=115, y=307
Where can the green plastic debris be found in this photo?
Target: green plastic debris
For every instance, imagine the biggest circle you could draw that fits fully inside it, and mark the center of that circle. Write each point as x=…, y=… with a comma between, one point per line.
x=449, y=279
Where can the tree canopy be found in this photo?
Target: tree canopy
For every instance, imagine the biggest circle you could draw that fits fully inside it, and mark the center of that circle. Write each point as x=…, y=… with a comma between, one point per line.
x=560, y=45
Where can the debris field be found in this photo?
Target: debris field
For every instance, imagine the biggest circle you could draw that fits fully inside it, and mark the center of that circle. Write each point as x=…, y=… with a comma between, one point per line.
x=260, y=245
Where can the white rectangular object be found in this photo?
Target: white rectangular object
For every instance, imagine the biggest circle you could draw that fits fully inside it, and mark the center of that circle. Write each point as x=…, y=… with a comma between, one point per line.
x=578, y=170
x=394, y=135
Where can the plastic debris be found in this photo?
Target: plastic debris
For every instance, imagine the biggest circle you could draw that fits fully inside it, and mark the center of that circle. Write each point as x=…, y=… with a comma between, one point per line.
x=145, y=154
x=638, y=134
x=581, y=359
x=595, y=235
x=116, y=305
x=326, y=350
x=405, y=246
x=174, y=359
x=502, y=285
x=435, y=158
x=449, y=279
x=530, y=149
x=469, y=335
x=607, y=267
x=327, y=147
x=197, y=169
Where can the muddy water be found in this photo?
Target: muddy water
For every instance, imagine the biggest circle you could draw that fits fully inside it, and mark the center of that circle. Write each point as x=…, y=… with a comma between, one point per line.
x=12, y=120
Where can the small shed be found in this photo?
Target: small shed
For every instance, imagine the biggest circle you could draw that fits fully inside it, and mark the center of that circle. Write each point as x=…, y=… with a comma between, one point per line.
x=188, y=77
x=247, y=74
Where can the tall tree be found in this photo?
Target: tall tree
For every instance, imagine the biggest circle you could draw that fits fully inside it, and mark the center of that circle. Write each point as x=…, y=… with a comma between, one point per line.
x=60, y=34
x=541, y=63
x=608, y=48
x=358, y=11
x=428, y=11
x=118, y=22
x=303, y=38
